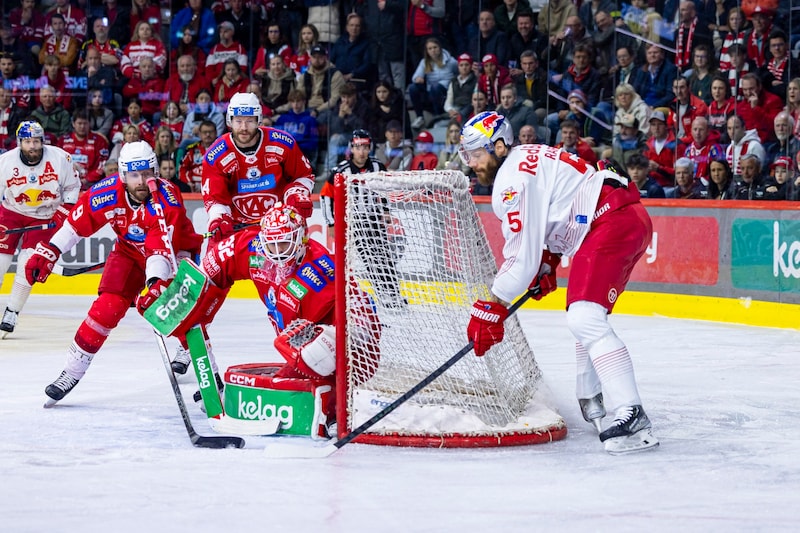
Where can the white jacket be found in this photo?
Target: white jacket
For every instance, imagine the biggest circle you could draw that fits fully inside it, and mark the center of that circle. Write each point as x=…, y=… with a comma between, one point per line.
x=749, y=144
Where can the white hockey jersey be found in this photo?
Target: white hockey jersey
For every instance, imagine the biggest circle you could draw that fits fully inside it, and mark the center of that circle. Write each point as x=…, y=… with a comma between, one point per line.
x=545, y=198
x=37, y=191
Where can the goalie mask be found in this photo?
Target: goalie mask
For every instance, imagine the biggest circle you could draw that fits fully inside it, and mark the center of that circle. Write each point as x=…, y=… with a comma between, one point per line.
x=283, y=236
x=482, y=131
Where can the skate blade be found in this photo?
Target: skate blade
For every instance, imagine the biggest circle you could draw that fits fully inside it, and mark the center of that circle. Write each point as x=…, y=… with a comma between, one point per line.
x=638, y=442
x=5, y=334
x=49, y=403
x=597, y=425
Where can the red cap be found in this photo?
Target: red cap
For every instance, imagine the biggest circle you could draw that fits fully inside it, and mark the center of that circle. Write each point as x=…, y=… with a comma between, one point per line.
x=465, y=57
x=424, y=137
x=489, y=58
x=782, y=161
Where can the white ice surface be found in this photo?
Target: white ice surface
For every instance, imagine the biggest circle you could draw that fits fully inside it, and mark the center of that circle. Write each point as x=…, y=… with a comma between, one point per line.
x=114, y=456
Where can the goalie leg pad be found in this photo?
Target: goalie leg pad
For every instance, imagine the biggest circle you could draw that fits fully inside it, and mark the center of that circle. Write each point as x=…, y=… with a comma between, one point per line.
x=309, y=349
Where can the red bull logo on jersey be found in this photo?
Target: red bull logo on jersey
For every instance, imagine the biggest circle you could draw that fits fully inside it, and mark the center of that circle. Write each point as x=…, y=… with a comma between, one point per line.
x=100, y=201
x=509, y=196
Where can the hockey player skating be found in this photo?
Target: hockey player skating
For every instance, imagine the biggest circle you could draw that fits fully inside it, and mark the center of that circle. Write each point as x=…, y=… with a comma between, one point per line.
x=247, y=171
x=38, y=186
x=551, y=203
x=294, y=277
x=141, y=252
x=371, y=231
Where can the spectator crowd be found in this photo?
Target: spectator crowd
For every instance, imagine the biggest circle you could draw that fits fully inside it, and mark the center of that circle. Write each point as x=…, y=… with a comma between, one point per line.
x=692, y=98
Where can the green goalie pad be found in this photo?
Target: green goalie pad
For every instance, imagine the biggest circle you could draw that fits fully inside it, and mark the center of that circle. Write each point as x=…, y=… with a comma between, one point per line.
x=178, y=302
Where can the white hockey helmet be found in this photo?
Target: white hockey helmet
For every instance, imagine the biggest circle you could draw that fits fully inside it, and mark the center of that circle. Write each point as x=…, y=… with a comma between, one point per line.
x=243, y=105
x=283, y=235
x=136, y=157
x=482, y=131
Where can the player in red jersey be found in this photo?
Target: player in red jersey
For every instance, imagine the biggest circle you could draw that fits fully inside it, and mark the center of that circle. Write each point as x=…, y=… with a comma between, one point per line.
x=247, y=171
x=141, y=253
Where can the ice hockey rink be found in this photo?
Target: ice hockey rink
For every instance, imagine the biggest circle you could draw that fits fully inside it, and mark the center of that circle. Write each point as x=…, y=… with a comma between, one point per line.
x=114, y=456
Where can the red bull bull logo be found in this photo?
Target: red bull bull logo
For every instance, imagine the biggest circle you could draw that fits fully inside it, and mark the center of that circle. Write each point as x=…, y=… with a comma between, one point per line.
x=509, y=196
x=44, y=196
x=487, y=125
x=22, y=198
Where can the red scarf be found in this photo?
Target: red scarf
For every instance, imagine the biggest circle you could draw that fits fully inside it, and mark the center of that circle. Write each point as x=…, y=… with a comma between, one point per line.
x=683, y=57
x=578, y=76
x=754, y=50
x=777, y=68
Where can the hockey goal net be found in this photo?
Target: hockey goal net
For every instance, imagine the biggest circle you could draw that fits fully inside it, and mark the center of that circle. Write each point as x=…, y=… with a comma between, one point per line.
x=413, y=242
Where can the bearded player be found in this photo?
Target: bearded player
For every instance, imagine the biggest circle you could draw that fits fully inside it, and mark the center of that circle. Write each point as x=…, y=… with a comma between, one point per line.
x=38, y=186
x=552, y=203
x=141, y=253
x=247, y=171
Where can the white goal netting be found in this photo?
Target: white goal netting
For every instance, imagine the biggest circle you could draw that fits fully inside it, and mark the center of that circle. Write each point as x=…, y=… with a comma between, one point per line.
x=414, y=242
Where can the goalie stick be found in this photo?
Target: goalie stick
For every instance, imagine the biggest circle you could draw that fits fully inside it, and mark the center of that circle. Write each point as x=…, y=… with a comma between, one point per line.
x=281, y=450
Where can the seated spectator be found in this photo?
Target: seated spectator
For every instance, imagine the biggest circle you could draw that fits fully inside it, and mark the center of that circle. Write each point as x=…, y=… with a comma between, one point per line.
x=778, y=186
x=743, y=141
x=528, y=135
x=224, y=50
x=148, y=87
x=523, y=39
x=506, y=16
x=757, y=39
x=792, y=104
x=188, y=47
x=134, y=117
x=166, y=170
x=19, y=51
x=721, y=186
x=580, y=76
x=624, y=70
x=232, y=82
x=690, y=33
x=424, y=156
x=109, y=49
x=594, y=130
x=654, y=79
x=386, y=105
x=430, y=81
x=702, y=73
x=172, y=118
x=199, y=19
x=396, y=153
x=61, y=45
x=775, y=73
x=749, y=188
x=660, y=150
x=274, y=46
x=53, y=75
x=734, y=35
x=686, y=187
x=27, y=23
x=203, y=109
x=629, y=141
x=51, y=115
x=185, y=84
x=607, y=40
x=685, y=108
x=350, y=113
x=740, y=66
x=786, y=144
x=100, y=117
x=458, y=102
x=531, y=84
x=448, y=157
x=10, y=117
x=321, y=83
x=638, y=171
x=276, y=86
x=553, y=17
x=630, y=103
x=722, y=106
x=479, y=104
x=128, y=134
x=494, y=77
x=308, y=38
x=164, y=145
x=191, y=161
x=145, y=10
x=352, y=55
x=301, y=125
x=89, y=150
x=561, y=50
x=99, y=76
x=489, y=40
x=758, y=107
x=512, y=108
x=144, y=44
x=572, y=143
x=702, y=150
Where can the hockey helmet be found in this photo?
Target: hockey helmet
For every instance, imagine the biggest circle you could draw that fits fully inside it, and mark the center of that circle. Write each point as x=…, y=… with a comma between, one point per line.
x=482, y=131
x=283, y=235
x=243, y=105
x=136, y=157
x=29, y=129
x=360, y=137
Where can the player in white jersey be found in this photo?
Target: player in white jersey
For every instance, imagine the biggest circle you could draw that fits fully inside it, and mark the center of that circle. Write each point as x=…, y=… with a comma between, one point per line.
x=38, y=186
x=550, y=203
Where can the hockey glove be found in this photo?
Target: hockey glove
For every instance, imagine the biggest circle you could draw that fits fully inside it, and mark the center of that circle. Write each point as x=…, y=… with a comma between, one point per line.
x=155, y=288
x=485, y=328
x=220, y=228
x=61, y=215
x=299, y=198
x=546, y=279
x=41, y=263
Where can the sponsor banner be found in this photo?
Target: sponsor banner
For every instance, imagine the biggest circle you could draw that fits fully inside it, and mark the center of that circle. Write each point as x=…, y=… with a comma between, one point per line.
x=295, y=410
x=765, y=255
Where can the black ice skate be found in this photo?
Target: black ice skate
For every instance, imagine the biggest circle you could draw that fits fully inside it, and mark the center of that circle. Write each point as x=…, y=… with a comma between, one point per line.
x=9, y=321
x=593, y=410
x=182, y=361
x=630, y=432
x=59, y=388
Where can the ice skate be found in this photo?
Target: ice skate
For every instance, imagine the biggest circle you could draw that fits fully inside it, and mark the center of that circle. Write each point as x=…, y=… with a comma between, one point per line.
x=59, y=388
x=630, y=432
x=593, y=410
x=198, y=397
x=9, y=321
x=182, y=361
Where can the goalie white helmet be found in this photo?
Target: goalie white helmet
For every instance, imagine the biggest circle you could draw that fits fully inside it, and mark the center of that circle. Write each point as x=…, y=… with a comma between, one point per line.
x=283, y=235
x=137, y=157
x=482, y=131
x=243, y=105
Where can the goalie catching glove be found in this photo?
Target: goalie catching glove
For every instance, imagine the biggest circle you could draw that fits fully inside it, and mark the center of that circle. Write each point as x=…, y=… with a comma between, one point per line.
x=546, y=278
x=485, y=328
x=41, y=263
x=309, y=349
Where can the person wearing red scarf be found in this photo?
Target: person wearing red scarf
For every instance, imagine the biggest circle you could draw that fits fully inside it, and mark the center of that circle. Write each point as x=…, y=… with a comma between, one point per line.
x=690, y=33
x=757, y=40
x=758, y=107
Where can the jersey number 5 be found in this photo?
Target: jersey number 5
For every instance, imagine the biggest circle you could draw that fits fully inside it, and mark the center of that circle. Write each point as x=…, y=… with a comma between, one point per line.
x=514, y=222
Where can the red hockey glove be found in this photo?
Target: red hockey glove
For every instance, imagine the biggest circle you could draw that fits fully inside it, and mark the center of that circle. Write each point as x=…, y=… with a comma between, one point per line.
x=41, y=263
x=220, y=228
x=61, y=215
x=153, y=292
x=299, y=198
x=485, y=328
x=546, y=279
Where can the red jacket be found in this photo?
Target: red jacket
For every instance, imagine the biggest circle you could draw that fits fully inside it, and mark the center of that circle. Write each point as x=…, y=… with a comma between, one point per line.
x=665, y=173
x=90, y=154
x=150, y=92
x=583, y=150
x=762, y=116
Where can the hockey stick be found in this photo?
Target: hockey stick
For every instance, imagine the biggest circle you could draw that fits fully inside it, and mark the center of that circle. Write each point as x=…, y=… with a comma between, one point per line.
x=236, y=227
x=288, y=451
x=200, y=441
x=30, y=228
x=74, y=271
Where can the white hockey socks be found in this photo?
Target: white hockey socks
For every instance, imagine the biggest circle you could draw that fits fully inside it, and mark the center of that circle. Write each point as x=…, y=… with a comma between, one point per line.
x=587, y=383
x=78, y=361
